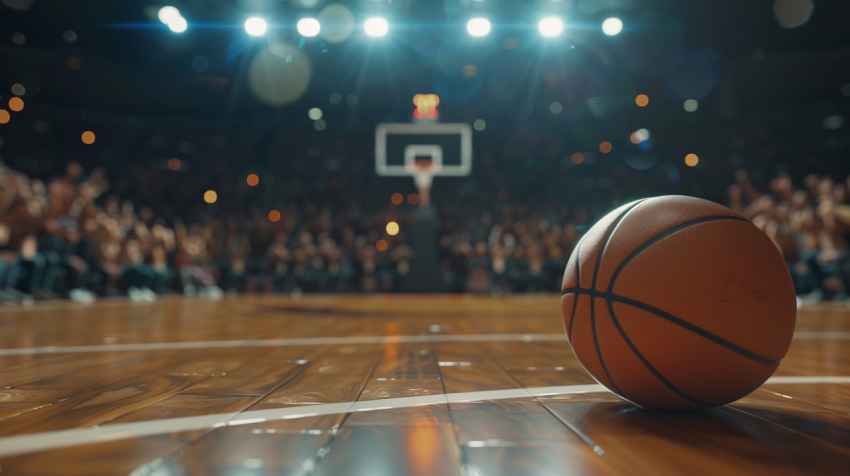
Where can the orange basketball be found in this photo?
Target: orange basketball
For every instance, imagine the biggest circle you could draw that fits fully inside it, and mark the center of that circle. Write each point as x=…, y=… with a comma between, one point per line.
x=678, y=303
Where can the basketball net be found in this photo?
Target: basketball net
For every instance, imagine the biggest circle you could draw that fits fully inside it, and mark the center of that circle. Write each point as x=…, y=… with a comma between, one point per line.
x=423, y=172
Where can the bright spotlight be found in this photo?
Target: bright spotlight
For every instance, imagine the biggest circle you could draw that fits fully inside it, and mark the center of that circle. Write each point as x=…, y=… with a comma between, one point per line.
x=612, y=26
x=166, y=14
x=308, y=27
x=376, y=26
x=178, y=24
x=478, y=27
x=550, y=26
x=256, y=26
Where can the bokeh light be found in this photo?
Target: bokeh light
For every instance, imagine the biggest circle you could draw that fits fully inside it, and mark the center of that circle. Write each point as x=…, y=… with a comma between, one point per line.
x=550, y=27
x=691, y=105
x=18, y=89
x=556, y=108
x=413, y=199
x=605, y=147
x=642, y=100
x=639, y=136
x=4, y=116
x=577, y=158
x=280, y=74
x=479, y=125
x=174, y=164
x=88, y=137
x=793, y=13
x=612, y=26
x=210, y=196
x=392, y=228
x=308, y=27
x=397, y=198
x=314, y=113
x=178, y=25
x=253, y=180
x=376, y=26
x=338, y=23
x=166, y=14
x=16, y=104
x=320, y=125
x=274, y=215
x=478, y=27
x=256, y=26
x=691, y=160
x=381, y=245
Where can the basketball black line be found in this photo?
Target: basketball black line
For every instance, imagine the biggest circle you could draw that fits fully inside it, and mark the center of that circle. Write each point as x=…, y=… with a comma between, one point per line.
x=607, y=239
x=645, y=361
x=660, y=237
x=575, y=301
x=676, y=320
x=608, y=235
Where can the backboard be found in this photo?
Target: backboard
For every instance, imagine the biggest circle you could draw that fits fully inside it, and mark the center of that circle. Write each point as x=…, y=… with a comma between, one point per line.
x=423, y=150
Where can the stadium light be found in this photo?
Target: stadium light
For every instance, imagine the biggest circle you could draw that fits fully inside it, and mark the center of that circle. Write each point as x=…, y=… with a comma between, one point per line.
x=308, y=27
x=478, y=27
x=256, y=26
x=550, y=27
x=376, y=26
x=612, y=26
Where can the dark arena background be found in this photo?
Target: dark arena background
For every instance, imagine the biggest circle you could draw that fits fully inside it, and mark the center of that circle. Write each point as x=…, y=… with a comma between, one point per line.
x=298, y=237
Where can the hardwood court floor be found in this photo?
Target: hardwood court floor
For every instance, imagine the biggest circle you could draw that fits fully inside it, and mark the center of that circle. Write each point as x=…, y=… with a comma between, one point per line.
x=385, y=385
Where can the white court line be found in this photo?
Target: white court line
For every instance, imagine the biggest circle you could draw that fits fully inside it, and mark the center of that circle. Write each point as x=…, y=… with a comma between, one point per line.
x=82, y=436
x=332, y=341
x=285, y=342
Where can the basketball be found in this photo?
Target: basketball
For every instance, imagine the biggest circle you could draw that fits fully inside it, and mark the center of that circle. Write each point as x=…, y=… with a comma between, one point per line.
x=678, y=303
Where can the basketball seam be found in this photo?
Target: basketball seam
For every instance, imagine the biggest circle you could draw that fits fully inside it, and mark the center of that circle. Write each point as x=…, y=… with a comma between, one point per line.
x=645, y=361
x=675, y=320
x=640, y=249
x=608, y=236
x=575, y=301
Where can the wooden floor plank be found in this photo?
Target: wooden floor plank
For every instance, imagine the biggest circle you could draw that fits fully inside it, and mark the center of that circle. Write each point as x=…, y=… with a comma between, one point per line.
x=763, y=433
x=404, y=370
x=775, y=448
x=834, y=397
x=101, y=405
x=521, y=437
x=282, y=447
x=336, y=377
x=393, y=450
x=640, y=442
x=262, y=374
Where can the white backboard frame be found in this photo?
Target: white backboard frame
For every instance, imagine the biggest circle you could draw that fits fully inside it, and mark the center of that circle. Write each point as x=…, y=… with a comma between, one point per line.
x=463, y=129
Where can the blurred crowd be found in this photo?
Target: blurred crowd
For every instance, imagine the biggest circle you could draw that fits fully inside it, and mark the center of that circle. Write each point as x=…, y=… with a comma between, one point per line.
x=809, y=223
x=70, y=238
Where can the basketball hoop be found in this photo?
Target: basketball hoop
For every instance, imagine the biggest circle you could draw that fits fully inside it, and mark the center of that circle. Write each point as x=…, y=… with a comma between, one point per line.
x=423, y=162
x=423, y=151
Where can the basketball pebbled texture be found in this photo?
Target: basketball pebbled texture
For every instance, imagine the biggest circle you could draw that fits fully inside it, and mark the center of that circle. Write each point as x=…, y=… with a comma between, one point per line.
x=678, y=303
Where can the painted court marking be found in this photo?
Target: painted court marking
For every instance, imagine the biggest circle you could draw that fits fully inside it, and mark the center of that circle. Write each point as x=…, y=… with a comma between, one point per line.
x=99, y=434
x=332, y=341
